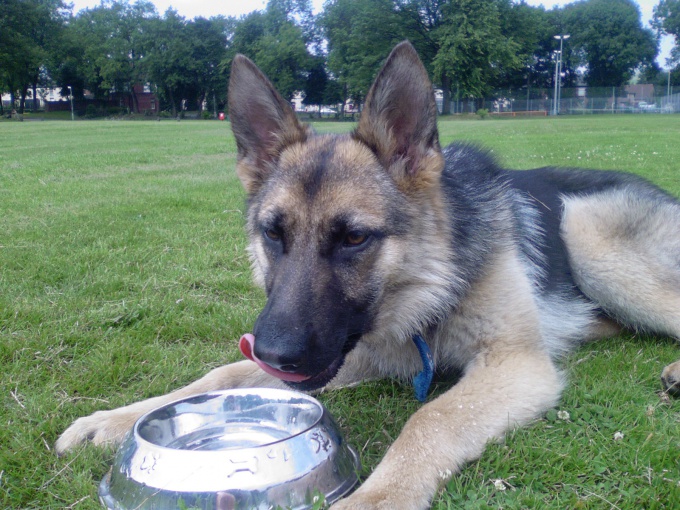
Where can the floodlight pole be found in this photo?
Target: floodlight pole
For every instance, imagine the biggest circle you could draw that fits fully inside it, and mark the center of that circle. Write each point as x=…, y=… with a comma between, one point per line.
x=70, y=95
x=558, y=74
x=557, y=59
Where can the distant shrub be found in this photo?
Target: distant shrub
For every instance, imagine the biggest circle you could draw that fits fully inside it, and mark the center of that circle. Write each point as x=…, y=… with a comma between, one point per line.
x=92, y=112
x=483, y=113
x=115, y=110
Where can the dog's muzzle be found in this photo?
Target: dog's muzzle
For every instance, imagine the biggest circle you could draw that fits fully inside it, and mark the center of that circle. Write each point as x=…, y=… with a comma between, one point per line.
x=247, y=347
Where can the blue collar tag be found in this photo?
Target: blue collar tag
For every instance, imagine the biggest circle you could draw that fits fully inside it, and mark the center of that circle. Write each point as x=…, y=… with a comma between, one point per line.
x=422, y=381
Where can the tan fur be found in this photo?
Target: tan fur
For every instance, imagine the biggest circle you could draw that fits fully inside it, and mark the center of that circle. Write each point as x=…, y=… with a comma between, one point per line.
x=509, y=381
x=622, y=252
x=277, y=125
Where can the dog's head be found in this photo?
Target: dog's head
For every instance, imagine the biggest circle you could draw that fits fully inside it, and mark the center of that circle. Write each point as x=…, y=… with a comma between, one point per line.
x=334, y=220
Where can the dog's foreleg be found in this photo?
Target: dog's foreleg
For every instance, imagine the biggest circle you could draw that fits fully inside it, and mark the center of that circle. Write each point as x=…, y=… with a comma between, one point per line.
x=109, y=427
x=500, y=390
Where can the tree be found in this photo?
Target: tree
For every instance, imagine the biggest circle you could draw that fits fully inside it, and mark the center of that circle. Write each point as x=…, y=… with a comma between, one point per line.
x=609, y=39
x=113, y=36
x=473, y=50
x=168, y=58
x=360, y=34
x=533, y=29
x=274, y=41
x=666, y=21
x=29, y=30
x=316, y=83
x=463, y=43
x=14, y=47
x=208, y=42
x=67, y=65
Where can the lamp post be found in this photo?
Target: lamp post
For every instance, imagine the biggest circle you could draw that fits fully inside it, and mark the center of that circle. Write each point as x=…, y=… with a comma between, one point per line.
x=558, y=74
x=70, y=95
x=557, y=60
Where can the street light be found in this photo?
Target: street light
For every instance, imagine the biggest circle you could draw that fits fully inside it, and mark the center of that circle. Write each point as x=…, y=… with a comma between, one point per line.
x=558, y=72
x=557, y=61
x=70, y=95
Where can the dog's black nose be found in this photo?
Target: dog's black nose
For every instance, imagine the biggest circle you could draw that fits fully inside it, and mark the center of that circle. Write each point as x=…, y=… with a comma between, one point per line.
x=285, y=362
x=281, y=351
x=290, y=367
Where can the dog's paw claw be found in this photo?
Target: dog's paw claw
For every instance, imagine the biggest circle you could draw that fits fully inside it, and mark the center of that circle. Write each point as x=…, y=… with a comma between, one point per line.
x=670, y=379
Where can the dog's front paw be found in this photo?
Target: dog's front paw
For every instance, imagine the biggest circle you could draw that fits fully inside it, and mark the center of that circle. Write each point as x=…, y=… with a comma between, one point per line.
x=102, y=427
x=352, y=503
x=379, y=500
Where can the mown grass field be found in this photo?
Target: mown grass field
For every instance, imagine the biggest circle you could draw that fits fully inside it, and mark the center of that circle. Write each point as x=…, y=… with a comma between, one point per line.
x=123, y=275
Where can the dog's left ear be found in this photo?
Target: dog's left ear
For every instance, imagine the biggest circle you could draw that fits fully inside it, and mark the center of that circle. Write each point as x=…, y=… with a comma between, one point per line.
x=399, y=120
x=263, y=122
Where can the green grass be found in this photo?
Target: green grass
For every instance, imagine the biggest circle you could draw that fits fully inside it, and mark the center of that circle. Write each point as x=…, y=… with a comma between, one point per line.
x=123, y=275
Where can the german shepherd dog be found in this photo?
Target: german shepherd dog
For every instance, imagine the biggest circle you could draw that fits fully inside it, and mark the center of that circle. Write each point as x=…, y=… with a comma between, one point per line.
x=365, y=241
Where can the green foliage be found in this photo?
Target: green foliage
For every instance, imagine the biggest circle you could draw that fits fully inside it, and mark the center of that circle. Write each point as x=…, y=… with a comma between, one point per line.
x=29, y=32
x=469, y=46
x=360, y=35
x=283, y=56
x=472, y=48
x=532, y=29
x=113, y=36
x=608, y=37
x=168, y=58
x=275, y=41
x=667, y=21
x=316, y=84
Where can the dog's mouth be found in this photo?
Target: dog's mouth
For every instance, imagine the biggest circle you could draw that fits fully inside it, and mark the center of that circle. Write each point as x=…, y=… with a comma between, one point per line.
x=298, y=381
x=247, y=347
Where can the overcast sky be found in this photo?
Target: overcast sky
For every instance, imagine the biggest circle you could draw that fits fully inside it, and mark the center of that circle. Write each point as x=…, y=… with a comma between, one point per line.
x=207, y=8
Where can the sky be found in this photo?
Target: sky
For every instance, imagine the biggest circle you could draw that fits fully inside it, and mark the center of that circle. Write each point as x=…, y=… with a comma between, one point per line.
x=207, y=8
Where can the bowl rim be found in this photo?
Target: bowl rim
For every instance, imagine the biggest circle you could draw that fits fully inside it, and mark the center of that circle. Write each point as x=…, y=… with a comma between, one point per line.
x=237, y=391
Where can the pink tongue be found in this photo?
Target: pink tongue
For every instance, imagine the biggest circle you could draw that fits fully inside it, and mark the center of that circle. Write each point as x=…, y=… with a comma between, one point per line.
x=247, y=346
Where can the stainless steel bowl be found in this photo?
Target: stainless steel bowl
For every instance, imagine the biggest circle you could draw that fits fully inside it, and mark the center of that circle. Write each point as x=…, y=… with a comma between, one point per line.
x=236, y=449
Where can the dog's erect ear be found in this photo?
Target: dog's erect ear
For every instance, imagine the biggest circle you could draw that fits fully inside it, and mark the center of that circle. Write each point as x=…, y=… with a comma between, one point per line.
x=399, y=120
x=262, y=121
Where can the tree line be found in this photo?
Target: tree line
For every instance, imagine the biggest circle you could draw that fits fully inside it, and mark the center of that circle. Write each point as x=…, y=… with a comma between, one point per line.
x=470, y=47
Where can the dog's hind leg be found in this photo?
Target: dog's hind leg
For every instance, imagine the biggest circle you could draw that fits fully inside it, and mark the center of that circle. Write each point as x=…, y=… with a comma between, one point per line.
x=624, y=250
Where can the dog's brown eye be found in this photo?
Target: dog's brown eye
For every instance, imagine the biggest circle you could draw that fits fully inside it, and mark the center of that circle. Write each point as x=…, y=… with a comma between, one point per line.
x=355, y=238
x=272, y=234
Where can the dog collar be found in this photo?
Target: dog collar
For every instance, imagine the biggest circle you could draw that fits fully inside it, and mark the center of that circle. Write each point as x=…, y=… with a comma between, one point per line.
x=422, y=381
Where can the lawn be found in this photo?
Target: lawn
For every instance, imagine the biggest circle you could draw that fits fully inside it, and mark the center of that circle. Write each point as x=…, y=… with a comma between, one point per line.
x=123, y=275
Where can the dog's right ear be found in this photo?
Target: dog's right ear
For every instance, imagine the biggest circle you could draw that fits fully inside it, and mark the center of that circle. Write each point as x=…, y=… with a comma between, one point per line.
x=262, y=121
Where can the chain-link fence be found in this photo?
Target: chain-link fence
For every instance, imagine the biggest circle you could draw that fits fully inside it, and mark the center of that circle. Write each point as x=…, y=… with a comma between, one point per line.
x=642, y=98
